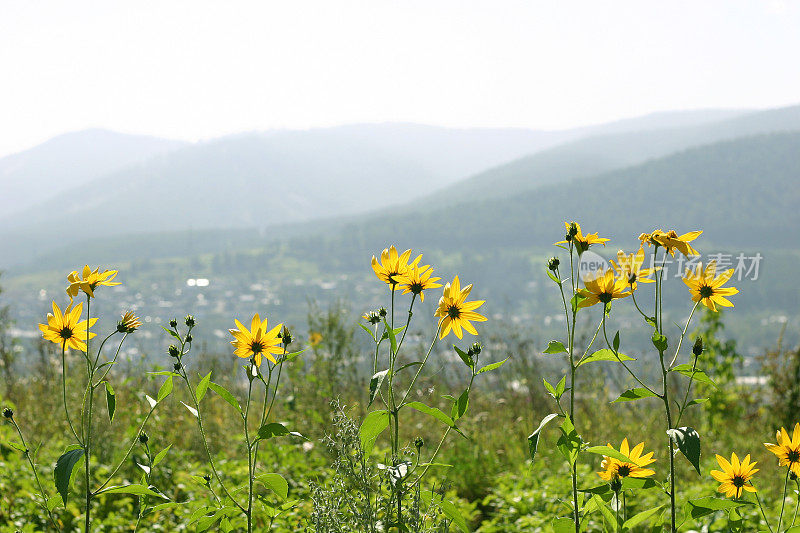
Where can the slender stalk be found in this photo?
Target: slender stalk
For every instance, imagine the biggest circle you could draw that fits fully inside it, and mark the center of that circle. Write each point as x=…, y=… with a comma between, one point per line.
x=783, y=499
x=249, y=511
x=616, y=511
x=761, y=507
x=114, y=360
x=88, y=434
x=127, y=453
x=205, y=442
x=797, y=503
x=572, y=369
x=419, y=368
x=42, y=493
x=616, y=354
x=64, y=390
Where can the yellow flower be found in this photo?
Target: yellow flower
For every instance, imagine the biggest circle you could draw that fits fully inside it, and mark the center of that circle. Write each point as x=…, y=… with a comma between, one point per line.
x=582, y=242
x=735, y=476
x=708, y=289
x=455, y=312
x=314, y=338
x=67, y=329
x=603, y=287
x=634, y=467
x=417, y=279
x=671, y=241
x=90, y=280
x=256, y=341
x=392, y=265
x=129, y=323
x=787, y=450
x=629, y=268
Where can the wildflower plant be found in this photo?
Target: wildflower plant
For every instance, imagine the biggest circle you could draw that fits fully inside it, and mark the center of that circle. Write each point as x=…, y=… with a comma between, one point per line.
x=610, y=287
x=408, y=463
x=265, y=350
x=70, y=330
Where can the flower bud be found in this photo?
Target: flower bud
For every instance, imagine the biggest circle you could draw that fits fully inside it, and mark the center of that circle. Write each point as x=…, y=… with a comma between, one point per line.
x=286, y=336
x=382, y=312
x=8, y=413
x=173, y=351
x=697, y=349
x=176, y=367
x=143, y=438
x=475, y=349
x=189, y=320
x=573, y=229
x=207, y=478
x=632, y=278
x=553, y=263
x=173, y=323
x=128, y=323
x=419, y=443
x=616, y=485
x=189, y=338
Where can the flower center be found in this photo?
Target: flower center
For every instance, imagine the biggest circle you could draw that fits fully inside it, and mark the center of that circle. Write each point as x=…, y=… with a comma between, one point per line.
x=605, y=297
x=793, y=456
x=738, y=481
x=453, y=311
x=66, y=333
x=706, y=291
x=624, y=470
x=416, y=287
x=257, y=347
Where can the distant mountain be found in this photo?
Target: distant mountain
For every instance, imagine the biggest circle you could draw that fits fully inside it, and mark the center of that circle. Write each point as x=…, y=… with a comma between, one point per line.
x=601, y=153
x=68, y=161
x=251, y=180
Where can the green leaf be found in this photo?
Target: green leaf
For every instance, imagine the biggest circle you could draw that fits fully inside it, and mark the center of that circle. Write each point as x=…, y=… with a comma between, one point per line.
x=174, y=334
x=465, y=357
x=533, y=438
x=697, y=401
x=644, y=516
x=634, y=394
x=369, y=331
x=609, y=451
x=660, y=342
x=160, y=455
x=460, y=406
x=375, y=384
x=432, y=411
x=563, y=525
x=561, y=387
x=111, y=401
x=225, y=395
x=608, y=514
x=372, y=426
x=615, y=342
x=605, y=355
x=553, y=277
x=165, y=390
x=688, y=441
x=449, y=510
x=276, y=483
x=705, y=506
x=599, y=489
x=555, y=347
x=272, y=429
x=202, y=387
x=636, y=483
x=139, y=490
x=492, y=366
x=292, y=356
x=392, y=333
x=549, y=388
x=697, y=375
x=575, y=301
x=569, y=443
x=191, y=410
x=63, y=471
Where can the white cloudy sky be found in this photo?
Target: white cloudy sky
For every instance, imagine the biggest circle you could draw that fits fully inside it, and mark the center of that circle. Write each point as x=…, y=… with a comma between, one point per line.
x=198, y=69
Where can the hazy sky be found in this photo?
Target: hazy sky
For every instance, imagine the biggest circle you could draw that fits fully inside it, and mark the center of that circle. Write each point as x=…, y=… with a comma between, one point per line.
x=199, y=69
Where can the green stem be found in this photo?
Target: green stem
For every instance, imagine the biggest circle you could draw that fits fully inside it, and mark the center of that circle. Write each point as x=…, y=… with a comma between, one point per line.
x=88, y=434
x=249, y=511
x=616, y=354
x=64, y=390
x=205, y=441
x=419, y=368
x=42, y=493
x=797, y=503
x=761, y=507
x=783, y=499
x=127, y=453
x=116, y=355
x=683, y=334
